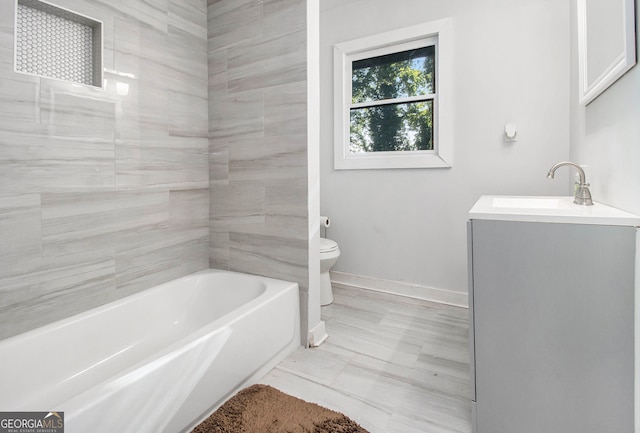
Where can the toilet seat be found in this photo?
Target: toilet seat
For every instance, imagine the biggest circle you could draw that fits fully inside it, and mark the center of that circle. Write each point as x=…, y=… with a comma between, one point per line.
x=327, y=245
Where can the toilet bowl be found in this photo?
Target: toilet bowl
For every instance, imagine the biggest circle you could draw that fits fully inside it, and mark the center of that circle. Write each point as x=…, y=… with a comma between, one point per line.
x=329, y=253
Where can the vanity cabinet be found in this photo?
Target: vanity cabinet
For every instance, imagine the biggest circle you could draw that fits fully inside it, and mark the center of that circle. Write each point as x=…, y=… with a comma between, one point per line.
x=552, y=323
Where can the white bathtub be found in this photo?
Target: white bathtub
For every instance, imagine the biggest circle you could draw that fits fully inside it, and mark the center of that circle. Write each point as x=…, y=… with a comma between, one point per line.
x=157, y=361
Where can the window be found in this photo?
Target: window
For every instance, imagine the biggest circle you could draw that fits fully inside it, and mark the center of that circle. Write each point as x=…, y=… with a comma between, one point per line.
x=392, y=97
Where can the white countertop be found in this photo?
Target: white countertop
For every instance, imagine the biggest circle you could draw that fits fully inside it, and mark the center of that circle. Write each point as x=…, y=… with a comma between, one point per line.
x=549, y=209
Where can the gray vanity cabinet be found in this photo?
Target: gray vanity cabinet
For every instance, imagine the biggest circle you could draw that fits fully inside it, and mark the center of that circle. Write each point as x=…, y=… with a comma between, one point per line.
x=552, y=327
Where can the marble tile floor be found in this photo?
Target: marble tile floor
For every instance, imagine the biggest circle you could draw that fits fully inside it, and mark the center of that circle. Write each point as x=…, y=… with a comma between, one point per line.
x=391, y=363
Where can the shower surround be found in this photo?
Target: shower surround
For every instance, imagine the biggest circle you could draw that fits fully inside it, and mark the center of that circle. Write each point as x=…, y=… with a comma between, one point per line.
x=258, y=151
x=105, y=192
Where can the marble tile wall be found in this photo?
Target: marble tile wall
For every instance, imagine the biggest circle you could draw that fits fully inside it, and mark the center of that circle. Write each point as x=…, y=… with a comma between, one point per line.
x=105, y=192
x=258, y=139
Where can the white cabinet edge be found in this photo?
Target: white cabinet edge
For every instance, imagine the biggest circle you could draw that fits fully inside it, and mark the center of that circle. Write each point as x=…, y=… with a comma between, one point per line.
x=565, y=213
x=637, y=336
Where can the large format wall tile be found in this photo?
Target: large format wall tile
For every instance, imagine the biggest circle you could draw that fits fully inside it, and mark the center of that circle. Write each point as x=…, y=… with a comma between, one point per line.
x=52, y=292
x=275, y=256
x=21, y=234
x=258, y=65
x=236, y=115
x=78, y=224
x=268, y=158
x=21, y=93
x=68, y=158
x=258, y=139
x=187, y=15
x=218, y=161
x=234, y=21
x=285, y=110
x=161, y=161
x=104, y=191
x=80, y=107
x=237, y=206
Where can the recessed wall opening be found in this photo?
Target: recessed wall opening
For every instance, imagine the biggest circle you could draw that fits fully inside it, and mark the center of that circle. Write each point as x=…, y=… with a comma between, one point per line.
x=53, y=42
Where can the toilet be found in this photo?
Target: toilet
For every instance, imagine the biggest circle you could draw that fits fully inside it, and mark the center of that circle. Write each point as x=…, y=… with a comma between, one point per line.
x=329, y=254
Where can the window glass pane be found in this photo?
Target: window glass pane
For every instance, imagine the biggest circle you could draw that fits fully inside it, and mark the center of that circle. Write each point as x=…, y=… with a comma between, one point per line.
x=397, y=75
x=392, y=127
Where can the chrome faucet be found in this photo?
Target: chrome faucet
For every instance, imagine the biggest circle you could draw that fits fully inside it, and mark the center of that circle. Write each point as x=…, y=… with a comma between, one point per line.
x=582, y=194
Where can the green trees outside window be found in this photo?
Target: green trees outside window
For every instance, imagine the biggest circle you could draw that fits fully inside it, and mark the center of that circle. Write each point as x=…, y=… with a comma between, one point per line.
x=392, y=102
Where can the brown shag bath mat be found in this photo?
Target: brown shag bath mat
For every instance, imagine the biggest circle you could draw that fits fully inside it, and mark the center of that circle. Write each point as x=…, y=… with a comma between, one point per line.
x=264, y=409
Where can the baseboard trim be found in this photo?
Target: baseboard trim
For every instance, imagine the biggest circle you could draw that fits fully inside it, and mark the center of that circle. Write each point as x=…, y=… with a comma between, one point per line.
x=416, y=291
x=318, y=334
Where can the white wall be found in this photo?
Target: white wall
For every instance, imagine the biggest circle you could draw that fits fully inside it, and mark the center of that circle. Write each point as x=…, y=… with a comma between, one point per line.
x=605, y=136
x=512, y=65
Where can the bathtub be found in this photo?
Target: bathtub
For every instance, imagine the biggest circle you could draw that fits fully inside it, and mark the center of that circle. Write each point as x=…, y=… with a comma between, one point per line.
x=157, y=361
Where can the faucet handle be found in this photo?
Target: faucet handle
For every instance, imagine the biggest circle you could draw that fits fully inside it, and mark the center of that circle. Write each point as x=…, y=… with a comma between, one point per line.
x=583, y=195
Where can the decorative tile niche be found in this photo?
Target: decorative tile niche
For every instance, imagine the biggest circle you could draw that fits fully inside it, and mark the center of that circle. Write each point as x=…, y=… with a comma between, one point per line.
x=57, y=43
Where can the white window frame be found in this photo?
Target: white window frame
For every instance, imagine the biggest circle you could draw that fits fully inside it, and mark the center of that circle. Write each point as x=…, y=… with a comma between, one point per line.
x=438, y=33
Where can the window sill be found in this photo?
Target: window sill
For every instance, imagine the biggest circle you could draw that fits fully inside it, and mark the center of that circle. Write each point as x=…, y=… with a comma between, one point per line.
x=389, y=160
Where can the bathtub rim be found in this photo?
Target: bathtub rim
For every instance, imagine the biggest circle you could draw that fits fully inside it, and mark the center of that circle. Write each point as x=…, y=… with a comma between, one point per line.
x=67, y=321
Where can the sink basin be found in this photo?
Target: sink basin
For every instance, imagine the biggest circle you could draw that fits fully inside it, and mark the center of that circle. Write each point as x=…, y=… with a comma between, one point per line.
x=551, y=209
x=527, y=202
